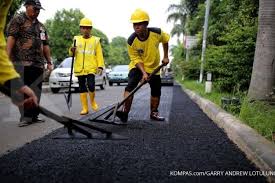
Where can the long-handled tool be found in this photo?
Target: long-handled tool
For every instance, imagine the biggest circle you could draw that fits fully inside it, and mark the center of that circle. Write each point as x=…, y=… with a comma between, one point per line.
x=113, y=109
x=68, y=97
x=69, y=123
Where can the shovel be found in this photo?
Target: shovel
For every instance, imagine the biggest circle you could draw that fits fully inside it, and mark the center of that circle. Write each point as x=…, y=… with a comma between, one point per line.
x=68, y=97
x=113, y=108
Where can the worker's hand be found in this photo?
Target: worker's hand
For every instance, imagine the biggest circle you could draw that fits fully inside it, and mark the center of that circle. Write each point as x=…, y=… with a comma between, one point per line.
x=31, y=100
x=73, y=49
x=145, y=77
x=99, y=71
x=165, y=61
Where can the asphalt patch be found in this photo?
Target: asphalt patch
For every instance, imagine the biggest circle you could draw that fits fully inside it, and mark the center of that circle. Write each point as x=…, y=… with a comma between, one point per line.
x=154, y=152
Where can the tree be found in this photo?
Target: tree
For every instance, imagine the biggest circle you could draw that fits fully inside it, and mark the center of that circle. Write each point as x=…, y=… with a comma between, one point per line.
x=16, y=4
x=118, y=51
x=63, y=27
x=104, y=42
x=179, y=14
x=231, y=43
x=263, y=73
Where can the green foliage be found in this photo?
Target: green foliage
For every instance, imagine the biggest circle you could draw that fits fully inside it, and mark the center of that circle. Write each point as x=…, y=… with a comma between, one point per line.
x=179, y=12
x=197, y=20
x=228, y=69
x=181, y=68
x=190, y=69
x=183, y=12
x=230, y=42
x=178, y=55
x=230, y=57
x=118, y=53
x=260, y=116
x=199, y=88
x=103, y=40
x=63, y=27
x=16, y=4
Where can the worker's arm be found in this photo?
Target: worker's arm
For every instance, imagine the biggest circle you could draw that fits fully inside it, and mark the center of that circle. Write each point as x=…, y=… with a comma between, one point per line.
x=20, y=94
x=10, y=46
x=140, y=66
x=47, y=55
x=11, y=84
x=165, y=59
x=138, y=62
x=99, y=57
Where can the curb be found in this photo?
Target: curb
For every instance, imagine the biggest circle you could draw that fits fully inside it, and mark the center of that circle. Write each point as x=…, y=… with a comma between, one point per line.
x=257, y=149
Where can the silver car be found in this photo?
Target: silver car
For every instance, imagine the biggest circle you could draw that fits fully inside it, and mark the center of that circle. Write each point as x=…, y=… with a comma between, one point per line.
x=119, y=74
x=60, y=77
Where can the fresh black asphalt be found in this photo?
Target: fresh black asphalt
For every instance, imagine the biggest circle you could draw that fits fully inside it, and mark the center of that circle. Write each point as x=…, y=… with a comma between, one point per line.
x=188, y=141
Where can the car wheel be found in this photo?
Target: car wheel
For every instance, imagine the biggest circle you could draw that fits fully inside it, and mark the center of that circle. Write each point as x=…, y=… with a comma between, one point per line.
x=102, y=86
x=110, y=84
x=55, y=90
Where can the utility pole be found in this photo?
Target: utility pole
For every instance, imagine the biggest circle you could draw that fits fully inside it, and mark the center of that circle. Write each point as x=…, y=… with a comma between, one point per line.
x=204, y=38
x=186, y=38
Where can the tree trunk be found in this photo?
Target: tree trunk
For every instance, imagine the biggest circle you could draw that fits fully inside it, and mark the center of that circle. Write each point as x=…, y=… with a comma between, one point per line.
x=263, y=73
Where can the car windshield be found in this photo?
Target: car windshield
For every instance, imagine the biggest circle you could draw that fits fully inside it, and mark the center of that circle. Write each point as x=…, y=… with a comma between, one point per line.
x=120, y=68
x=66, y=63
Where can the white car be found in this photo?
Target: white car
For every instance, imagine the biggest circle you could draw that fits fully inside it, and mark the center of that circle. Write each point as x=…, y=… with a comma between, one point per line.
x=60, y=77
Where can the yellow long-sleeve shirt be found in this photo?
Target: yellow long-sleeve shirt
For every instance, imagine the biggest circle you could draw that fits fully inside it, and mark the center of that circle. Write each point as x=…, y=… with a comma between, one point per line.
x=146, y=52
x=88, y=55
x=7, y=71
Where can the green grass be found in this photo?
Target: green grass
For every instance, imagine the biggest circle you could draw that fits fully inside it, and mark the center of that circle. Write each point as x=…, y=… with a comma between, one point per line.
x=199, y=88
x=258, y=115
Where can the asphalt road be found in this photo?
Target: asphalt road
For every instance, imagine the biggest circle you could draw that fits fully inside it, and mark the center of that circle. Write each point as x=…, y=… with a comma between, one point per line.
x=188, y=142
x=12, y=137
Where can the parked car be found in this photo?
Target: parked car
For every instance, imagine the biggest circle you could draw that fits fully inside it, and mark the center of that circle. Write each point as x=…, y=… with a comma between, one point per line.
x=167, y=77
x=60, y=77
x=119, y=74
x=108, y=70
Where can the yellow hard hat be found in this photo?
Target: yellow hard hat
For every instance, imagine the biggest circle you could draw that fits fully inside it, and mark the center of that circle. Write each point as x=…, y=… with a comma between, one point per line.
x=85, y=22
x=139, y=16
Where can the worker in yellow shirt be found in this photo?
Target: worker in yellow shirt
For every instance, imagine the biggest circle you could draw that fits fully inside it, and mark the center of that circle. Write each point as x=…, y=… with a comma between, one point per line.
x=88, y=62
x=10, y=82
x=143, y=50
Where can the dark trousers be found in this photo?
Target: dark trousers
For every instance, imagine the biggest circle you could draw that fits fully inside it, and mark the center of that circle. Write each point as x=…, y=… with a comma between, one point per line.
x=32, y=77
x=134, y=77
x=86, y=82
